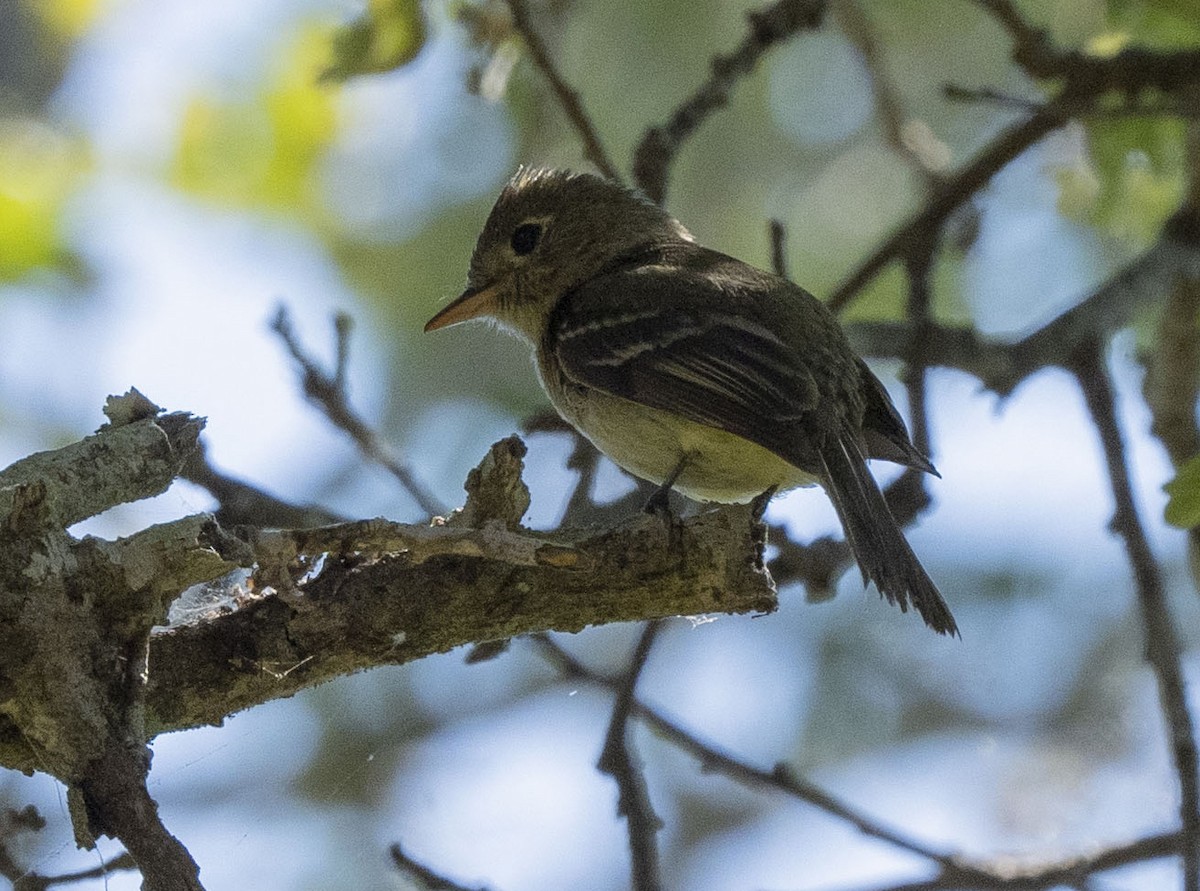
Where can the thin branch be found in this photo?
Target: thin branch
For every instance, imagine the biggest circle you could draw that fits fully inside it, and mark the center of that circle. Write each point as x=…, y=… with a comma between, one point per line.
x=990, y=96
x=1032, y=49
x=955, y=191
x=770, y=26
x=779, y=779
x=428, y=879
x=593, y=149
x=1074, y=872
x=619, y=761
x=241, y=504
x=778, y=236
x=1132, y=70
x=1162, y=640
x=857, y=26
x=956, y=871
x=36, y=882
x=329, y=394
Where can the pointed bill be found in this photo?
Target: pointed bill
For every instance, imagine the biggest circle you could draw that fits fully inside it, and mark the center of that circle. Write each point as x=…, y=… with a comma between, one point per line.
x=471, y=304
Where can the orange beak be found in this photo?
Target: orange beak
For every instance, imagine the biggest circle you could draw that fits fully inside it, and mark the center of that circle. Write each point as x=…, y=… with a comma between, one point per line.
x=471, y=304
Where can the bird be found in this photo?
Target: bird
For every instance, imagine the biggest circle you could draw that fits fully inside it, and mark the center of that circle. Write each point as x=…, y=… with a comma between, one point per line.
x=690, y=368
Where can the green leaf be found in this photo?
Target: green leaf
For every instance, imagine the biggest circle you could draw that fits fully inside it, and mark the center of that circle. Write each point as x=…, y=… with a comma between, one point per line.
x=1183, y=508
x=1139, y=165
x=388, y=35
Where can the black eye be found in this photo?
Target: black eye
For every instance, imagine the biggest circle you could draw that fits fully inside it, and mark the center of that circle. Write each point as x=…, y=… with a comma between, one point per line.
x=525, y=238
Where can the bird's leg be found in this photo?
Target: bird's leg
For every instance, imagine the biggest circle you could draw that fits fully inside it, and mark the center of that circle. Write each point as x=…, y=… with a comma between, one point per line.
x=659, y=505
x=659, y=502
x=758, y=506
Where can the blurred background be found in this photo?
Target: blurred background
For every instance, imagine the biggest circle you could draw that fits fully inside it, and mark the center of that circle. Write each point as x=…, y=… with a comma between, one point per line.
x=172, y=172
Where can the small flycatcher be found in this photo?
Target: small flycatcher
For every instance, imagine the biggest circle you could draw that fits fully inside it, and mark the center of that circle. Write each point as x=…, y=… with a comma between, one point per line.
x=689, y=368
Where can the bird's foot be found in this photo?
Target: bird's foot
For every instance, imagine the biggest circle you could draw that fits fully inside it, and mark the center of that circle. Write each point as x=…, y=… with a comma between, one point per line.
x=758, y=506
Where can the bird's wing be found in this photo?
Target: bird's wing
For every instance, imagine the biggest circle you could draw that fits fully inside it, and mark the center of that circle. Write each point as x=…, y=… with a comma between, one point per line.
x=690, y=334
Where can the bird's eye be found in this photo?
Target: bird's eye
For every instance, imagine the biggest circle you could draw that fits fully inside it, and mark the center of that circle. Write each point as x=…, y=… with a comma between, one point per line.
x=525, y=238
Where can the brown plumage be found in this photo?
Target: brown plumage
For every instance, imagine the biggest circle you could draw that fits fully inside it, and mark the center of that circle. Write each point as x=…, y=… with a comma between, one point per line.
x=684, y=364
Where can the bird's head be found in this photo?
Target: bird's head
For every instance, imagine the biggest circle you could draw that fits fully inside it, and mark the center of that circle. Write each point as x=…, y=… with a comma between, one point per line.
x=549, y=231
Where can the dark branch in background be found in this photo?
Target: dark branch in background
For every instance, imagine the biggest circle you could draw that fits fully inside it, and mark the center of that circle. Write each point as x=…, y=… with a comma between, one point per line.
x=1085, y=79
x=329, y=394
x=1162, y=640
x=1132, y=70
x=954, y=191
x=242, y=504
x=424, y=877
x=593, y=148
x=955, y=871
x=619, y=760
x=780, y=779
x=32, y=881
x=768, y=27
x=1001, y=366
x=778, y=236
x=855, y=24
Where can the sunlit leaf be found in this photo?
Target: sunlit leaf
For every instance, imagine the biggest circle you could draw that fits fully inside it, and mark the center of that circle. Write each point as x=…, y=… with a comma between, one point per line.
x=388, y=35
x=1183, y=508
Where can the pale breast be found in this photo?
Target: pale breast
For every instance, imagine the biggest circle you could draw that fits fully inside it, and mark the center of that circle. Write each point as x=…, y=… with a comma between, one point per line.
x=650, y=443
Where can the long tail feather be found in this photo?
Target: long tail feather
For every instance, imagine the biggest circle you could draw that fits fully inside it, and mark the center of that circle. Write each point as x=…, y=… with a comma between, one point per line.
x=882, y=552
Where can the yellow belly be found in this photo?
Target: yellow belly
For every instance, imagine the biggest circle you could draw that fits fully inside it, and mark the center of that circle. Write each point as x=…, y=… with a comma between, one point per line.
x=649, y=443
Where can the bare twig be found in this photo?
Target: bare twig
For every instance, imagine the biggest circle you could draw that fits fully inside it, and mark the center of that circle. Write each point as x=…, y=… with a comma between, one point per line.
x=1162, y=640
x=593, y=148
x=778, y=235
x=1130, y=71
x=1073, y=873
x=959, y=93
x=33, y=881
x=856, y=25
x=426, y=878
x=956, y=871
x=329, y=394
x=619, y=761
x=242, y=504
x=1032, y=49
x=768, y=27
x=712, y=758
x=955, y=191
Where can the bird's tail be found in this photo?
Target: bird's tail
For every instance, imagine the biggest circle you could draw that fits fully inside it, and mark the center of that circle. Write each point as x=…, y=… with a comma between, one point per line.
x=883, y=554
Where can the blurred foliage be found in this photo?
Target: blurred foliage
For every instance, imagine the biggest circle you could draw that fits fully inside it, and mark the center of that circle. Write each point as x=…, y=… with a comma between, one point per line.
x=42, y=169
x=1132, y=179
x=1183, y=508
x=263, y=151
x=389, y=34
x=68, y=18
